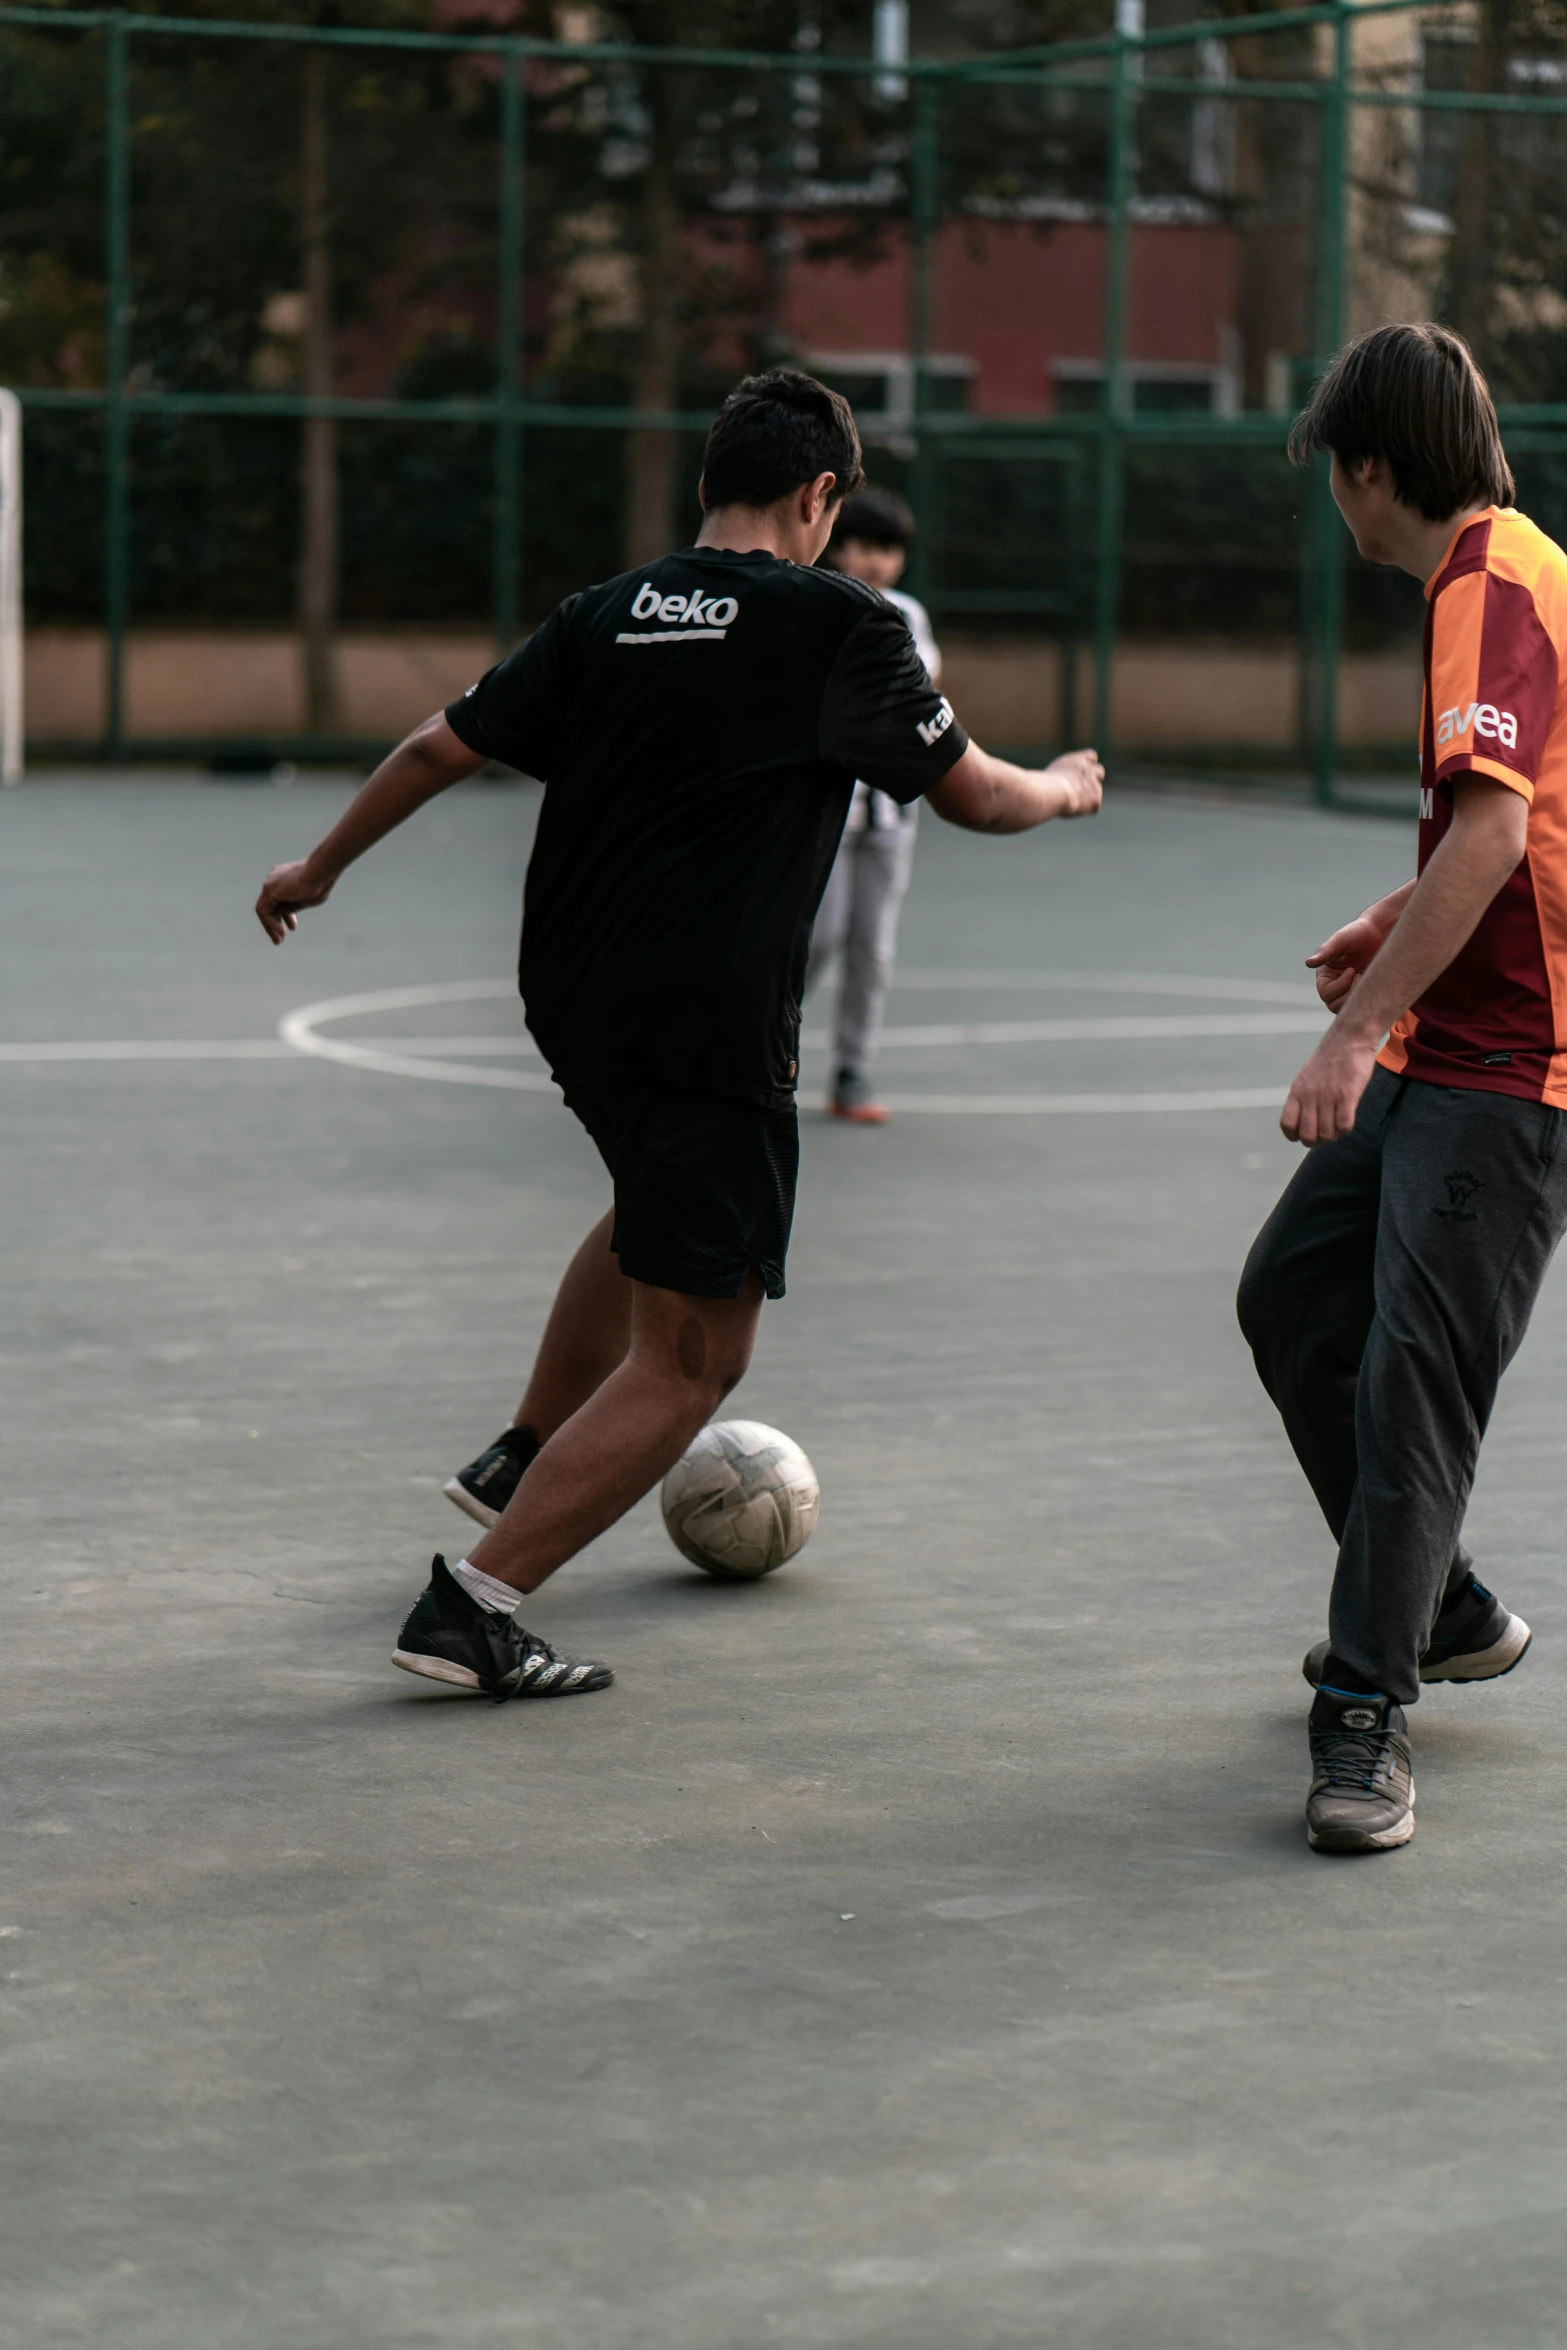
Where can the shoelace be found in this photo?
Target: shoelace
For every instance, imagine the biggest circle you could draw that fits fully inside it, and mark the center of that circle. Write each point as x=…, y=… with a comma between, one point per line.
x=1353, y=1758
x=517, y=1664
x=509, y=1647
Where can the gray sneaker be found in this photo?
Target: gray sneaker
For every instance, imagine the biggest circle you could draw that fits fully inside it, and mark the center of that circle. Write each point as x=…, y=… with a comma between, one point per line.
x=1362, y=1795
x=1475, y=1638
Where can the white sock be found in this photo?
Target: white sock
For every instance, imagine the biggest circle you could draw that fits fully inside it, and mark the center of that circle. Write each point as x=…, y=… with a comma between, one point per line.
x=502, y=1599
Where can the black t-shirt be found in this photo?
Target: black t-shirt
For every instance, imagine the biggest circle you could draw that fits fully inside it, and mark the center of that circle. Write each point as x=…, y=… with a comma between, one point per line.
x=698, y=726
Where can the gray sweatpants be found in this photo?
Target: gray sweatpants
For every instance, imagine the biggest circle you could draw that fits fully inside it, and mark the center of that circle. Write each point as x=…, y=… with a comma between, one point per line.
x=858, y=919
x=1382, y=1300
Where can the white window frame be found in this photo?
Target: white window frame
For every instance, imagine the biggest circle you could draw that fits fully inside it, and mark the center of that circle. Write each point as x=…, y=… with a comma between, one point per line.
x=893, y=425
x=1222, y=375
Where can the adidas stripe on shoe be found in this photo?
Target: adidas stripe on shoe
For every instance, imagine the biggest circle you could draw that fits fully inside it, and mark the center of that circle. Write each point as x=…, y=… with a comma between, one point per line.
x=447, y=1636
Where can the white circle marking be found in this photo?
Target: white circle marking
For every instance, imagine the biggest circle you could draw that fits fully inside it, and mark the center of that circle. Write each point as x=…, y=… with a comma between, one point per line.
x=301, y=1029
x=437, y=1058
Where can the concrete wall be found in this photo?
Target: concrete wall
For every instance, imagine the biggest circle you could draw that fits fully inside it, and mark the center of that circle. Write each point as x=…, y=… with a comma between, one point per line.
x=1172, y=696
x=201, y=683
x=1168, y=697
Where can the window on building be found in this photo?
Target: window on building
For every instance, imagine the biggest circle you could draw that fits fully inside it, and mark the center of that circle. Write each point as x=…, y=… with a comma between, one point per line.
x=1444, y=66
x=1080, y=395
x=879, y=387
x=1156, y=396
x=1533, y=141
x=1154, y=388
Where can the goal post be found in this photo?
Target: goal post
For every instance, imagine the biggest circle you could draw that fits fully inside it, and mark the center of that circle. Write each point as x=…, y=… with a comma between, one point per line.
x=10, y=588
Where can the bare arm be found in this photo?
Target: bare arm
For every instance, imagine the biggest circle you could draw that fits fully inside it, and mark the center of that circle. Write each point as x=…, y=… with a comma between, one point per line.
x=1339, y=961
x=1437, y=917
x=984, y=794
x=431, y=758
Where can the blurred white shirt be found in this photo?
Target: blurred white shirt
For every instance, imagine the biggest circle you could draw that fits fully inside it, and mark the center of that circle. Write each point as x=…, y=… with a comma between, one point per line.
x=877, y=808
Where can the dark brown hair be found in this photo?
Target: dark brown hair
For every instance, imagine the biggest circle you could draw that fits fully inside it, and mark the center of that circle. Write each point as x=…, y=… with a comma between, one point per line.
x=776, y=431
x=878, y=516
x=1413, y=395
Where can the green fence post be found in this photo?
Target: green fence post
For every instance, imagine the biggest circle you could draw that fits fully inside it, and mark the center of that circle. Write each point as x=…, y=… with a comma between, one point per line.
x=116, y=517
x=1112, y=452
x=924, y=205
x=1067, y=711
x=508, y=323
x=1329, y=534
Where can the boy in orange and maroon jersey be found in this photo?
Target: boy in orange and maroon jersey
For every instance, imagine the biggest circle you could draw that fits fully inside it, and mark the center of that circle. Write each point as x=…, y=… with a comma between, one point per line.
x=1394, y=1281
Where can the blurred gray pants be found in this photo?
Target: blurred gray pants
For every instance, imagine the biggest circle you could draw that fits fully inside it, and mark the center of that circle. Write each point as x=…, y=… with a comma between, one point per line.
x=858, y=919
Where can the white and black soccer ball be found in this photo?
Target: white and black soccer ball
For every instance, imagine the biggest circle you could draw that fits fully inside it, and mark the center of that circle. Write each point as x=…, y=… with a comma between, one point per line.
x=741, y=1499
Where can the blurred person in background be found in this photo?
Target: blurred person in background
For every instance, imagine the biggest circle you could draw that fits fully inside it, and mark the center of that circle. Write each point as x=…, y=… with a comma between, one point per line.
x=858, y=917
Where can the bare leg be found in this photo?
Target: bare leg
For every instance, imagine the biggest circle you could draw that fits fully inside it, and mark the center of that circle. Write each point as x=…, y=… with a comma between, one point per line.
x=686, y=1353
x=585, y=1338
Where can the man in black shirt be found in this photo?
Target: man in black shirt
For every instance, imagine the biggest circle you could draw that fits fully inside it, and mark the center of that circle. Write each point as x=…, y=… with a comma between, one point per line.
x=698, y=725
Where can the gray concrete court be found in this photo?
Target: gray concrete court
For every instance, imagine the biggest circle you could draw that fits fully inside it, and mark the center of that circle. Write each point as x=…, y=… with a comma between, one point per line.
x=918, y=1951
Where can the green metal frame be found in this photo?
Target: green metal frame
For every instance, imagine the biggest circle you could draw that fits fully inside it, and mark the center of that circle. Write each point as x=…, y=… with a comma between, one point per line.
x=1115, y=65
x=1324, y=635
x=1112, y=446
x=508, y=350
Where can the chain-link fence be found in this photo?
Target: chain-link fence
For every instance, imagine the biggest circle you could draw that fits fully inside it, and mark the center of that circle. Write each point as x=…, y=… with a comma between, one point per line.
x=333, y=338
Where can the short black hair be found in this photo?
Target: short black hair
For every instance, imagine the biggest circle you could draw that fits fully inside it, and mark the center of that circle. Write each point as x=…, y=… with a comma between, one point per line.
x=878, y=516
x=1413, y=395
x=776, y=431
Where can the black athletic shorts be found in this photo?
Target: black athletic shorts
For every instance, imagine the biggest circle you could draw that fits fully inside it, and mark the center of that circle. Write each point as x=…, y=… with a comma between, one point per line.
x=704, y=1184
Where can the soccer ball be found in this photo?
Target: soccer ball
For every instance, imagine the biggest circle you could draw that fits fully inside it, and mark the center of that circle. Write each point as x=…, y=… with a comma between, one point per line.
x=740, y=1500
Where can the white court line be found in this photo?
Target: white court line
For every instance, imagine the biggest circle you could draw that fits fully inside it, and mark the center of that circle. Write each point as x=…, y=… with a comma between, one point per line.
x=300, y=1029
x=401, y=1056
x=412, y=1052
x=455, y=1060
x=493, y=1047
x=1111, y=1031
x=1081, y=982
x=154, y=1048
x=1075, y=1105
x=1101, y=1031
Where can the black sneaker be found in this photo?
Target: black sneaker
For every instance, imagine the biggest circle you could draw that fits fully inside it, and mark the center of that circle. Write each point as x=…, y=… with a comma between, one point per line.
x=486, y=1485
x=1474, y=1638
x=449, y=1637
x=1362, y=1795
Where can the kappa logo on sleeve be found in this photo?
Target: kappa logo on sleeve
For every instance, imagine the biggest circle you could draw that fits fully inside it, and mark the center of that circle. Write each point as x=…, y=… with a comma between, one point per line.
x=931, y=730
x=686, y=619
x=1485, y=718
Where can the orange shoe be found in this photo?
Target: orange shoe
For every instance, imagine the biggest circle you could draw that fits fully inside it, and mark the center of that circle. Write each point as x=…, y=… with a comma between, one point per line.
x=858, y=1113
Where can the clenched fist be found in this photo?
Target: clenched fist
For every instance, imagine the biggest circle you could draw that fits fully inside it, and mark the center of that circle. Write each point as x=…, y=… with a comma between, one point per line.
x=1082, y=778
